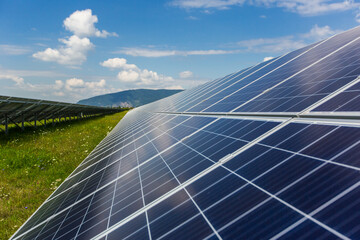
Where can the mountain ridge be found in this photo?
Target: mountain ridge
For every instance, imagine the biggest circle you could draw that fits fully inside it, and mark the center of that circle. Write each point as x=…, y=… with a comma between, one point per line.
x=128, y=98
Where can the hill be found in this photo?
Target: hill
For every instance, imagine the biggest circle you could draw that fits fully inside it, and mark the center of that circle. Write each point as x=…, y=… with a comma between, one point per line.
x=129, y=98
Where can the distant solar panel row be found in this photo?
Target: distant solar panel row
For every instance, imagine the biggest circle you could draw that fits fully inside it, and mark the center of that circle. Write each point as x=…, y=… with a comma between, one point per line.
x=19, y=110
x=166, y=172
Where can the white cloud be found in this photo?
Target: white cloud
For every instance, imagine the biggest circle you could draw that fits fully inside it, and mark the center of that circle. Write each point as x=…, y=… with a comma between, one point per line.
x=278, y=45
x=192, y=18
x=128, y=76
x=18, y=80
x=131, y=74
x=117, y=63
x=82, y=24
x=6, y=49
x=186, y=74
x=59, y=94
x=302, y=7
x=267, y=58
x=271, y=45
x=357, y=17
x=76, y=47
x=73, y=83
x=72, y=89
x=74, y=51
x=174, y=87
x=144, y=52
x=286, y=43
x=313, y=7
x=319, y=33
x=95, y=85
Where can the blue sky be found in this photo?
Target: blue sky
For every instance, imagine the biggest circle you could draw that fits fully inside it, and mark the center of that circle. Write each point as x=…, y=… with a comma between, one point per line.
x=70, y=50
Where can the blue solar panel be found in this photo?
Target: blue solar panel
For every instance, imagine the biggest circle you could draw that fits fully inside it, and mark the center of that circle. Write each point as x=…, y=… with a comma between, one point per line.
x=271, y=151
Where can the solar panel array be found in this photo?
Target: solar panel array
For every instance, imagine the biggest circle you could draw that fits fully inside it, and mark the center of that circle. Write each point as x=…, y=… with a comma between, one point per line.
x=14, y=110
x=271, y=151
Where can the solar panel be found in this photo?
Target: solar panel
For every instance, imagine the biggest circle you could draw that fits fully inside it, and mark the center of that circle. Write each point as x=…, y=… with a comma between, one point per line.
x=271, y=151
x=20, y=110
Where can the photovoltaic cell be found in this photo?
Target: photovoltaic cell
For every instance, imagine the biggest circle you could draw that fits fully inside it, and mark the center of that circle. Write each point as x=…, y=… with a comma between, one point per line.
x=242, y=157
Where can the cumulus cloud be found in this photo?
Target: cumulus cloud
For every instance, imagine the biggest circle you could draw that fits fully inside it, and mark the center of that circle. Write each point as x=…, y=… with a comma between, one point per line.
x=73, y=52
x=186, y=74
x=131, y=74
x=302, y=7
x=18, y=80
x=82, y=24
x=128, y=76
x=319, y=33
x=74, y=49
x=71, y=89
x=117, y=63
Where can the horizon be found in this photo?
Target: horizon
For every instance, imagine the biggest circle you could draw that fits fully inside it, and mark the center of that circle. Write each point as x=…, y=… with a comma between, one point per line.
x=72, y=51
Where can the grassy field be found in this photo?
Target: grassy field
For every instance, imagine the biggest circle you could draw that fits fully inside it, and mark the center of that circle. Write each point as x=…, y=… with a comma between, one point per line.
x=33, y=163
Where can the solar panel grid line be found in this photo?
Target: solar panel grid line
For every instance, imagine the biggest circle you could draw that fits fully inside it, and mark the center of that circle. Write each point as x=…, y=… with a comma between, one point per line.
x=103, y=145
x=117, y=150
x=55, y=193
x=302, y=70
x=122, y=134
x=77, y=233
x=226, y=80
x=296, y=181
x=201, y=212
x=191, y=95
x=157, y=201
x=334, y=94
x=270, y=62
x=255, y=141
x=123, y=146
x=183, y=184
x=307, y=216
x=262, y=76
x=316, y=158
x=113, y=135
x=319, y=209
x=329, y=121
x=317, y=52
x=82, y=221
x=94, y=156
x=143, y=198
x=179, y=226
x=230, y=77
x=97, y=189
x=113, y=197
x=51, y=217
x=198, y=91
x=319, y=116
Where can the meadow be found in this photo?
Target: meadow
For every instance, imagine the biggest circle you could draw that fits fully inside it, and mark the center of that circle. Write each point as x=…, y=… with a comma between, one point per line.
x=35, y=162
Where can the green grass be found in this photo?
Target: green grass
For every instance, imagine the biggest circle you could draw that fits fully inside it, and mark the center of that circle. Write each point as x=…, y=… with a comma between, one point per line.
x=33, y=163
